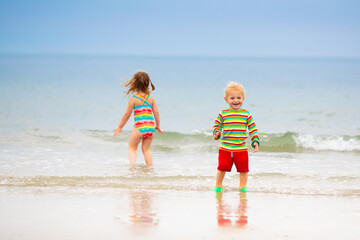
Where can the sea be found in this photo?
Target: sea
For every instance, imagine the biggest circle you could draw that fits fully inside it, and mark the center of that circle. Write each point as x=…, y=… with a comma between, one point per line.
x=58, y=114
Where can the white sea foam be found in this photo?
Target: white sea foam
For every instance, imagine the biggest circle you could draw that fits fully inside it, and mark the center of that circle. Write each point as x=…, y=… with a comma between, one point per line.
x=324, y=143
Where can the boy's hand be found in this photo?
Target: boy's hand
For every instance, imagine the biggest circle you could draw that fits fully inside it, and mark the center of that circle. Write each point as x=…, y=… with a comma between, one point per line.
x=256, y=147
x=117, y=132
x=216, y=135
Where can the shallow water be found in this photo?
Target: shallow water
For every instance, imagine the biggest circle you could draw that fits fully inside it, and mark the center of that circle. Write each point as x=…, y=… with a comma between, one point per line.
x=88, y=159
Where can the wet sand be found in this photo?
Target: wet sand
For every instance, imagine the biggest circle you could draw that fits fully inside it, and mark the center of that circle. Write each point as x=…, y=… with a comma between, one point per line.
x=108, y=213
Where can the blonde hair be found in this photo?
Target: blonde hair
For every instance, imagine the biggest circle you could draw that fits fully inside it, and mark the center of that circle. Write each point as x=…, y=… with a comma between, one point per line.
x=140, y=82
x=234, y=86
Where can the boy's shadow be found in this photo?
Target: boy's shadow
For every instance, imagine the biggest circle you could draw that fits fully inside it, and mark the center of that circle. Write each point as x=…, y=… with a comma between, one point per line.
x=227, y=216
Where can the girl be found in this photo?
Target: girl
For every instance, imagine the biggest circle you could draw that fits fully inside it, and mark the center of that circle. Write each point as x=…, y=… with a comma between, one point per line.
x=145, y=109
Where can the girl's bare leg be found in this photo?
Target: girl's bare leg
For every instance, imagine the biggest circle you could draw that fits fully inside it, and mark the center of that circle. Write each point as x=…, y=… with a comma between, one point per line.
x=145, y=147
x=135, y=139
x=219, y=178
x=243, y=179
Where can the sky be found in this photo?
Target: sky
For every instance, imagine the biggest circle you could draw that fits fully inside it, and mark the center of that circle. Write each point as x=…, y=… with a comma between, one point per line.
x=276, y=28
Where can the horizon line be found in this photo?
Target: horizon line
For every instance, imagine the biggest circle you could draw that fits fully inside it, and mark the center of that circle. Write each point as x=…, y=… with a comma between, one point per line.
x=213, y=56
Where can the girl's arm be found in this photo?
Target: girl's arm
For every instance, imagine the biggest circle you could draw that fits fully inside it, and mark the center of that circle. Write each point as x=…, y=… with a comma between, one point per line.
x=157, y=117
x=125, y=117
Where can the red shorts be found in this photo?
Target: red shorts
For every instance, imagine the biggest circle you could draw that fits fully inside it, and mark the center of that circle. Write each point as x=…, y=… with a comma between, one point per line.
x=226, y=160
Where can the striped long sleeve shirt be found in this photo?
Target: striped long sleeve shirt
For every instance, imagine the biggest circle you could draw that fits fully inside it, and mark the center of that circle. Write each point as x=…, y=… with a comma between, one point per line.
x=233, y=125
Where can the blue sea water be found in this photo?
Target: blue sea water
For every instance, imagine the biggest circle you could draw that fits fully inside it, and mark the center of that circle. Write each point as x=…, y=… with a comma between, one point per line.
x=315, y=96
x=57, y=115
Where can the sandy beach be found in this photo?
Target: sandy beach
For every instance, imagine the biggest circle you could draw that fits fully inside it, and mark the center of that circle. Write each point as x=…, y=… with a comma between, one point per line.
x=48, y=213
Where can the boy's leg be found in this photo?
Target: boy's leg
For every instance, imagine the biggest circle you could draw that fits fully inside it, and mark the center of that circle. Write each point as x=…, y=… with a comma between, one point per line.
x=225, y=165
x=145, y=147
x=241, y=160
x=243, y=179
x=219, y=178
x=134, y=141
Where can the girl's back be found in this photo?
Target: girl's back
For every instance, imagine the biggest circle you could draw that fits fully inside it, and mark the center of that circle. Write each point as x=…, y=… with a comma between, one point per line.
x=139, y=102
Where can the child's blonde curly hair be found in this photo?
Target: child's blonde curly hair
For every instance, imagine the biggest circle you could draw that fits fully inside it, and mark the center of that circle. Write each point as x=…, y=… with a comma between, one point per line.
x=234, y=86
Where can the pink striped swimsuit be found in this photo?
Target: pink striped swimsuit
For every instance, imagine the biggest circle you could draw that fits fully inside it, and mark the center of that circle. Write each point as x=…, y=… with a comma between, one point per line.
x=144, y=120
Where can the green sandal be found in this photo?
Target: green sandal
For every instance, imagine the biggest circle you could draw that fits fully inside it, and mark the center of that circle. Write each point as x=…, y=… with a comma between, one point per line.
x=244, y=189
x=217, y=189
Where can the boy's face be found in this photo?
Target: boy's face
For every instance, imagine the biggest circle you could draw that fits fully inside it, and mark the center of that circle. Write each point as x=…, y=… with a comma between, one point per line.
x=235, y=99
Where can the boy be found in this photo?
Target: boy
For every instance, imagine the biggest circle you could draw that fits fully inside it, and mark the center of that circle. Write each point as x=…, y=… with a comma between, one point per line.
x=232, y=124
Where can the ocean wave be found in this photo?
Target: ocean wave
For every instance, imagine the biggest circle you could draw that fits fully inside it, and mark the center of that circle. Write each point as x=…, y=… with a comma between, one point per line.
x=282, y=142
x=296, y=142
x=332, y=143
x=196, y=141
x=140, y=181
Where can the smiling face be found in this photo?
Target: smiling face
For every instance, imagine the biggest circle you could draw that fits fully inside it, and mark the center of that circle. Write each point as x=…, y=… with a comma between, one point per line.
x=235, y=99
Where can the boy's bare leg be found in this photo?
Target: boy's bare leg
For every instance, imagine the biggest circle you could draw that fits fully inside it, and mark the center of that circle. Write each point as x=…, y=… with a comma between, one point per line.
x=219, y=178
x=243, y=179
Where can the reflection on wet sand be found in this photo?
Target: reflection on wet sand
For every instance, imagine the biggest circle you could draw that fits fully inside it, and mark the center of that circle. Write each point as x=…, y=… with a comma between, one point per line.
x=227, y=216
x=140, y=201
x=141, y=208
